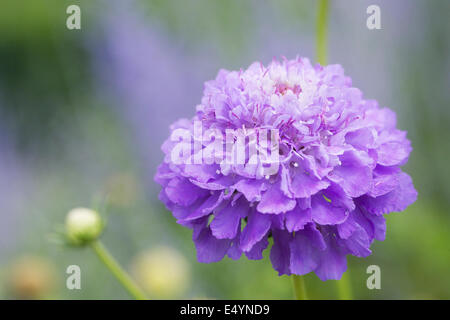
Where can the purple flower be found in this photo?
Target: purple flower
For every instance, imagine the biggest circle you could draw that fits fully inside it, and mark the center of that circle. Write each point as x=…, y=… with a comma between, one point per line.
x=338, y=169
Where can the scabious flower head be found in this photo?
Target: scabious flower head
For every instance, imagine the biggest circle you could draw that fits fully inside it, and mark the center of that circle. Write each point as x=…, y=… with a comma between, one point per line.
x=320, y=168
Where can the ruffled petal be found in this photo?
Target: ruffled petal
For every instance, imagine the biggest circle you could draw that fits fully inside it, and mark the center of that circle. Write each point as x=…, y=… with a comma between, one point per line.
x=297, y=219
x=209, y=248
x=203, y=207
x=395, y=150
x=256, y=252
x=181, y=191
x=258, y=225
x=358, y=243
x=226, y=221
x=251, y=189
x=332, y=261
x=354, y=175
x=385, y=179
x=304, y=185
x=275, y=201
x=280, y=252
x=305, y=247
x=323, y=212
x=235, y=252
x=396, y=200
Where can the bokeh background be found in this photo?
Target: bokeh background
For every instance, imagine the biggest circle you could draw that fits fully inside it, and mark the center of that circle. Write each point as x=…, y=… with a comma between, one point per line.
x=83, y=114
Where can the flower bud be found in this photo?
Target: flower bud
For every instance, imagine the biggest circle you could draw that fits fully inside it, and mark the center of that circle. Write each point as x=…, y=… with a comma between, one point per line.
x=83, y=226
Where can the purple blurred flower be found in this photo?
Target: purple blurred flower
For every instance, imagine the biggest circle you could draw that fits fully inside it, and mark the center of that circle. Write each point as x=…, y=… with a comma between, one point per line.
x=14, y=181
x=149, y=74
x=339, y=170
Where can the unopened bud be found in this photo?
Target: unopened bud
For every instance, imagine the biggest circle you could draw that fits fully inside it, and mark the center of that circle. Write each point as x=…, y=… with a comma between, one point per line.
x=83, y=226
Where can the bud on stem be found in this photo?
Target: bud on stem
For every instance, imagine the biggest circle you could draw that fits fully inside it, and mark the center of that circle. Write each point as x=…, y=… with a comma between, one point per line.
x=83, y=226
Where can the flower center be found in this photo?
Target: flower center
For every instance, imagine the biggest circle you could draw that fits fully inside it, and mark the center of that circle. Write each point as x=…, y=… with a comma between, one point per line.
x=283, y=87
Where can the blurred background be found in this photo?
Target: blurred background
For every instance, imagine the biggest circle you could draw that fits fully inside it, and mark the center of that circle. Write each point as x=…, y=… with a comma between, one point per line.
x=83, y=114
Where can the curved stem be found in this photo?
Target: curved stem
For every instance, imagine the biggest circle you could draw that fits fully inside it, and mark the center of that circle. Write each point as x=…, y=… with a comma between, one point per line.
x=344, y=287
x=299, y=287
x=121, y=275
x=321, y=35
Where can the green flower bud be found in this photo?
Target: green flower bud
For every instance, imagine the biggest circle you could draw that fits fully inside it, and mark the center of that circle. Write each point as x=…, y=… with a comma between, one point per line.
x=83, y=226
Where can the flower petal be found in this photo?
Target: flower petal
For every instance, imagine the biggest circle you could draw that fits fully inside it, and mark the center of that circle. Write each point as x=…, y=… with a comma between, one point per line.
x=251, y=189
x=256, y=252
x=325, y=213
x=226, y=221
x=305, y=247
x=354, y=175
x=181, y=191
x=304, y=185
x=209, y=248
x=296, y=219
x=258, y=225
x=332, y=261
x=397, y=200
x=275, y=201
x=280, y=253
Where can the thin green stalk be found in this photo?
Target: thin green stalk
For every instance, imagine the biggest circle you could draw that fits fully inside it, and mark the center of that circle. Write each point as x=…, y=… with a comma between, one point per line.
x=344, y=287
x=299, y=287
x=121, y=275
x=321, y=42
x=321, y=35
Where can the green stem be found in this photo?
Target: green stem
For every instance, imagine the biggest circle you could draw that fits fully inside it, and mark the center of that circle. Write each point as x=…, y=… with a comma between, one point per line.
x=321, y=35
x=344, y=287
x=299, y=287
x=321, y=42
x=121, y=275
